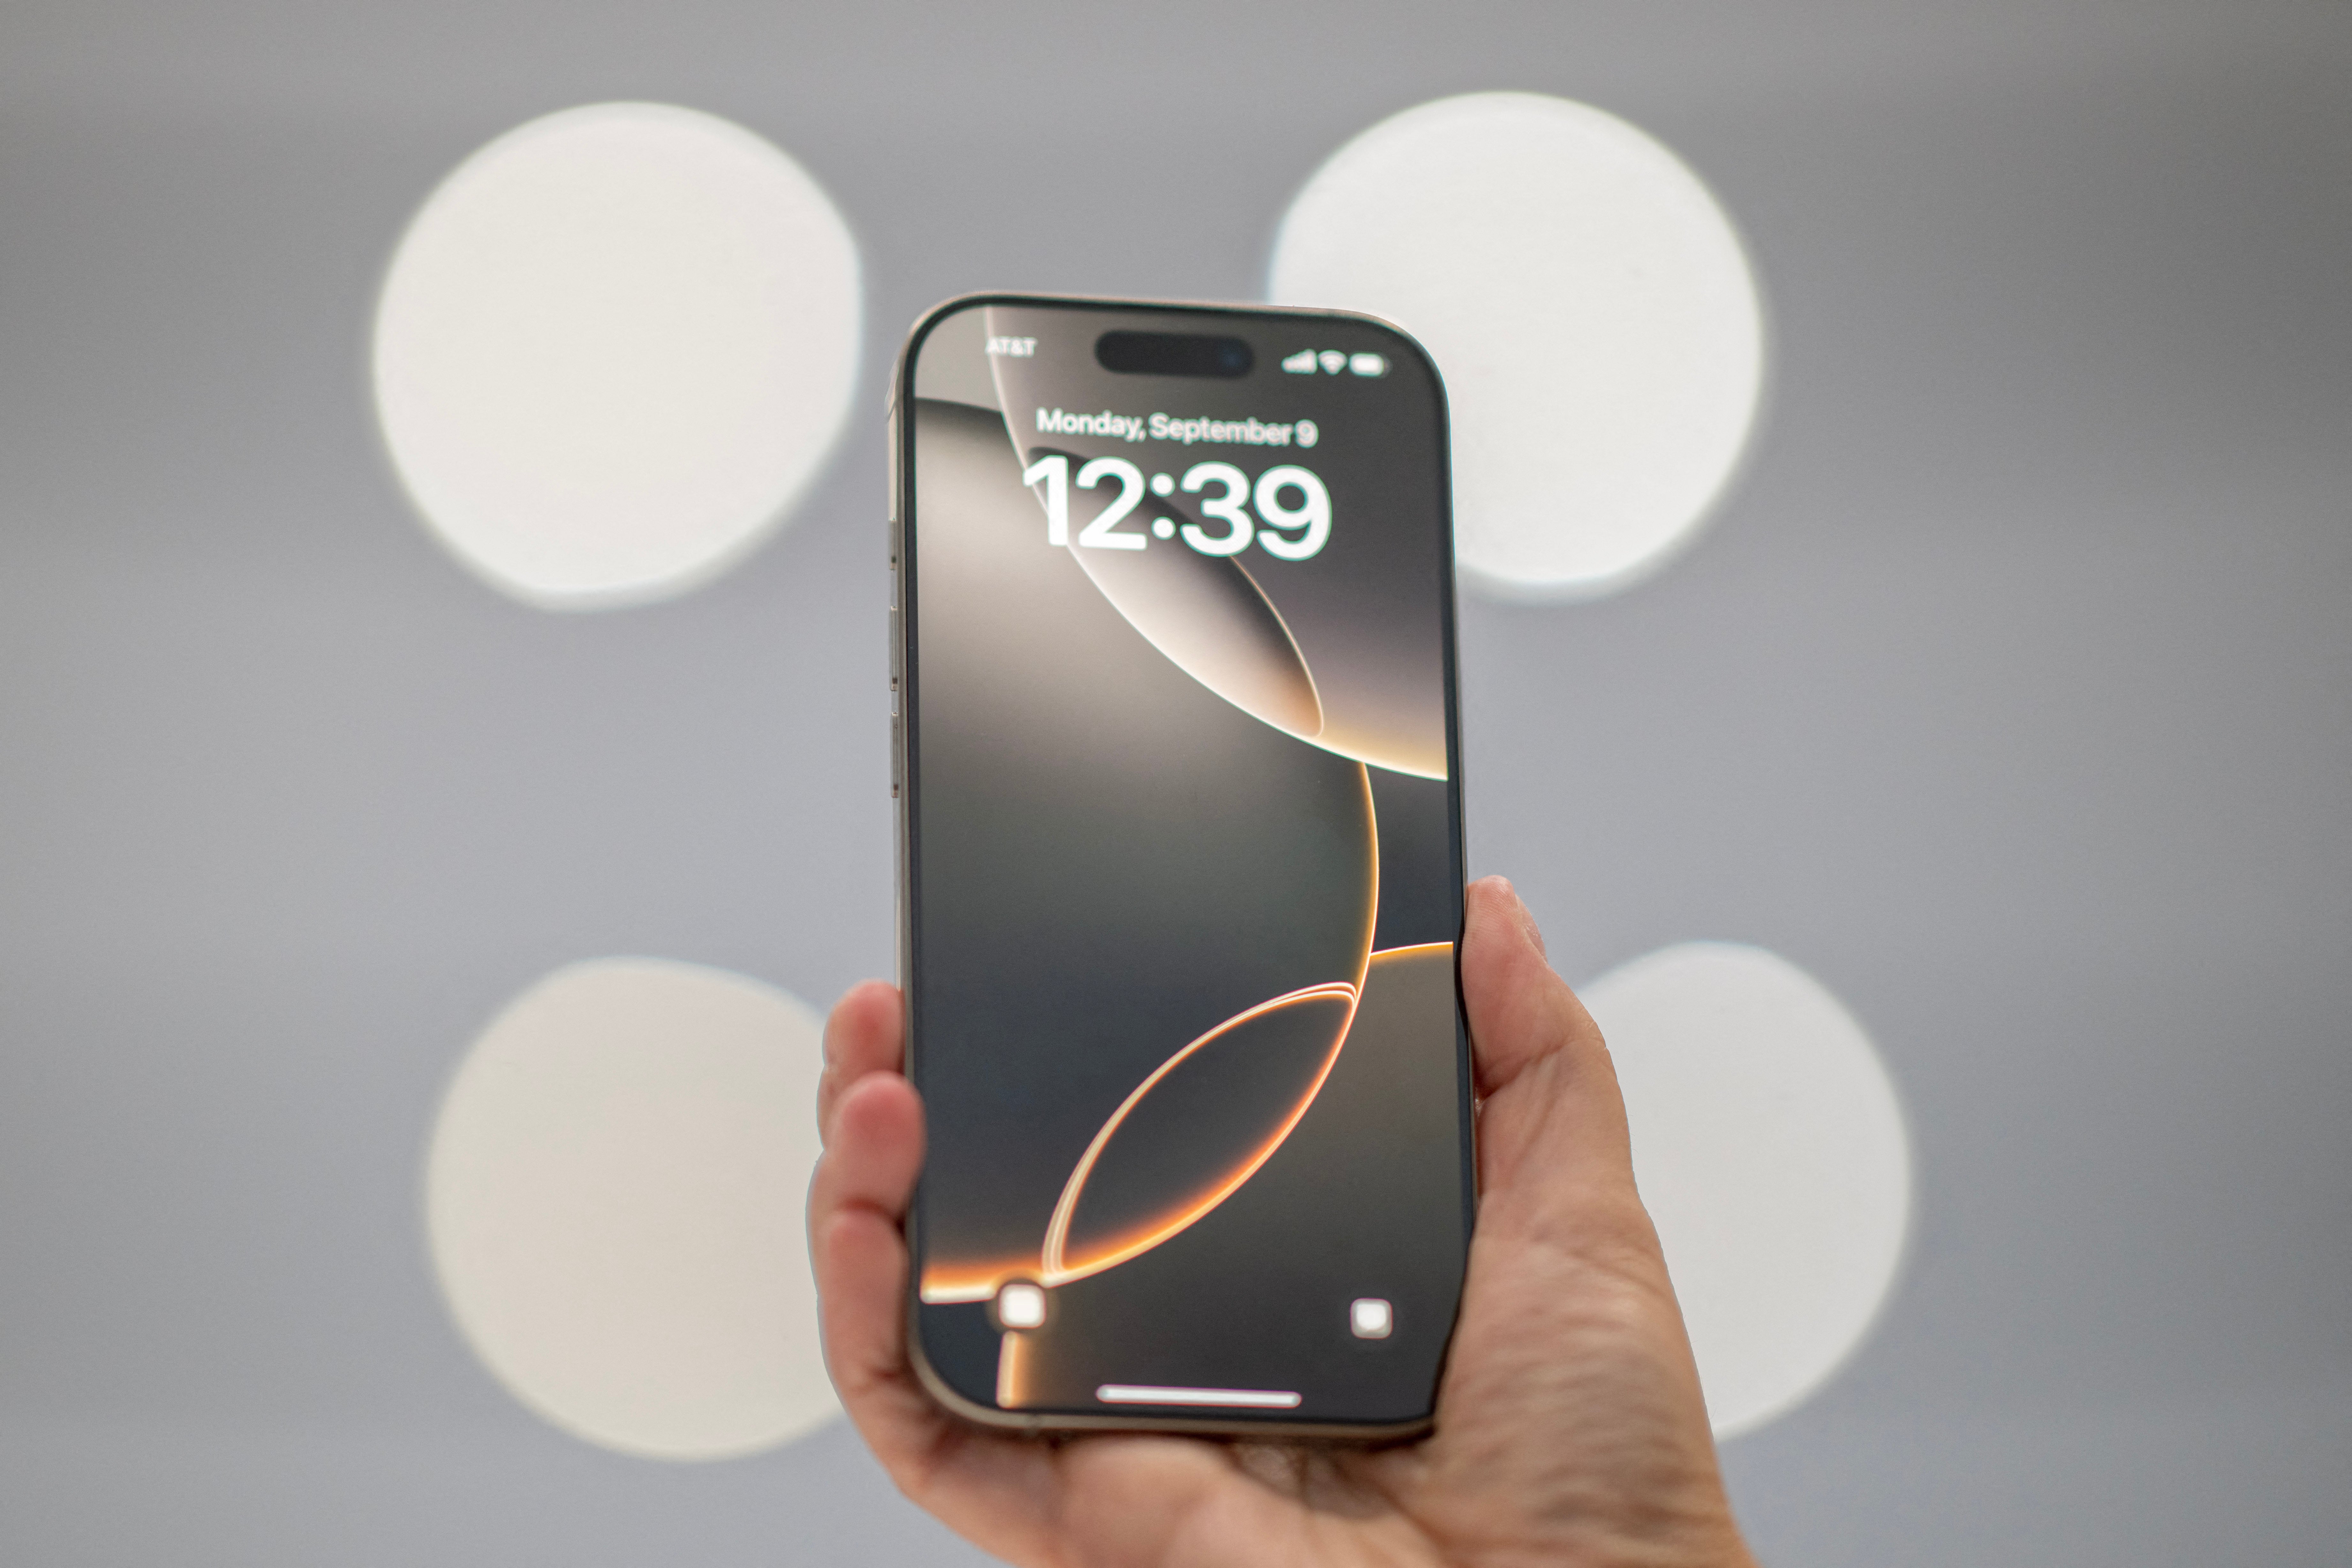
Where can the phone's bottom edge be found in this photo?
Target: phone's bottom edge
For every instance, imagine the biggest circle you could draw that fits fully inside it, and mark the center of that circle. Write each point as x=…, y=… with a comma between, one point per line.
x=1054, y=1423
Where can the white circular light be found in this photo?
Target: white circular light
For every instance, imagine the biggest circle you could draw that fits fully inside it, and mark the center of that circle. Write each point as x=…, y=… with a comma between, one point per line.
x=1770, y=1151
x=613, y=348
x=1587, y=304
x=614, y=1202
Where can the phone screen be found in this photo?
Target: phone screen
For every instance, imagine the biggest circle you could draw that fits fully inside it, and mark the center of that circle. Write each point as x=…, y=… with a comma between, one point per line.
x=1182, y=864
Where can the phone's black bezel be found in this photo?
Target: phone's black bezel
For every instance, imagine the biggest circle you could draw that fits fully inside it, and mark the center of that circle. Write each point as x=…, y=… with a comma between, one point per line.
x=906, y=771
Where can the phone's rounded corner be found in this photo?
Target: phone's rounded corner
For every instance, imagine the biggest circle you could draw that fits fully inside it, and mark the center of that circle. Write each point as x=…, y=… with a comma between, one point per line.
x=1395, y=1434
x=902, y=375
x=910, y=348
x=946, y=1395
x=1416, y=350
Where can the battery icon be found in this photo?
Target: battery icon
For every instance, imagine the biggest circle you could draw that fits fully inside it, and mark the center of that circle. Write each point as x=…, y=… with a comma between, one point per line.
x=1368, y=364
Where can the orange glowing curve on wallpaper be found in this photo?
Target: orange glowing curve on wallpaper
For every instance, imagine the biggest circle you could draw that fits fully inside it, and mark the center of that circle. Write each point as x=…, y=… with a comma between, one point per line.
x=966, y=1281
x=1058, y=1267
x=976, y=1281
x=1014, y=1351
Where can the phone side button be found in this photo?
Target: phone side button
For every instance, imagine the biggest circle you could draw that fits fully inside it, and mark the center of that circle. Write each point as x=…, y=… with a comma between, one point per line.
x=894, y=743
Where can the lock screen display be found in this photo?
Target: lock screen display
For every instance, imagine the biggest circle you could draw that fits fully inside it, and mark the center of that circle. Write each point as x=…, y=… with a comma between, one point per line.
x=1184, y=870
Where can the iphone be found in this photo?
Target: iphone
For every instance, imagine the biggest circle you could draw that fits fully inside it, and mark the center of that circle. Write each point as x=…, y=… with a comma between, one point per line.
x=1180, y=870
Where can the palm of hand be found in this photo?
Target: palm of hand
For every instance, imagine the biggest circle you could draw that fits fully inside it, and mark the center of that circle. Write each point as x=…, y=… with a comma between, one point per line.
x=1570, y=1427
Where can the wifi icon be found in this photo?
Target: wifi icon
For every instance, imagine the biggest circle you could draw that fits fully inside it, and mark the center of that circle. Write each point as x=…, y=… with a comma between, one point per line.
x=1333, y=361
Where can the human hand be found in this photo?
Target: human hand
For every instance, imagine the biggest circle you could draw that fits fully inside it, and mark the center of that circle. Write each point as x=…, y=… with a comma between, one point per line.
x=1571, y=1428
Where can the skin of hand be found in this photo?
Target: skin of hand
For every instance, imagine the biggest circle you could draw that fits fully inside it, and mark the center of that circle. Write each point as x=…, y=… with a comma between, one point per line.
x=1571, y=1428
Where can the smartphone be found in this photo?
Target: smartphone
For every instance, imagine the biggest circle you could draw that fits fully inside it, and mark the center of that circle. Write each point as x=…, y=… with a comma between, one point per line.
x=1180, y=868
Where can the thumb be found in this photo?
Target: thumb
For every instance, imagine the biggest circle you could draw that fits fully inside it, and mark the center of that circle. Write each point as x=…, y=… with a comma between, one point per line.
x=1551, y=1130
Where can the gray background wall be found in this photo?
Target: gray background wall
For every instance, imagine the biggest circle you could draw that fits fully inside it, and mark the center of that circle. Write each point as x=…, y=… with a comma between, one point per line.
x=2008, y=695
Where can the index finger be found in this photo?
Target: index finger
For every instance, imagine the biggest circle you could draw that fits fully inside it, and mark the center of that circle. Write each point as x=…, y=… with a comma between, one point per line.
x=864, y=1033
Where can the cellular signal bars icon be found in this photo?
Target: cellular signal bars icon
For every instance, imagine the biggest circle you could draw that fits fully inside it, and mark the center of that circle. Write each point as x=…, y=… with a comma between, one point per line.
x=1332, y=362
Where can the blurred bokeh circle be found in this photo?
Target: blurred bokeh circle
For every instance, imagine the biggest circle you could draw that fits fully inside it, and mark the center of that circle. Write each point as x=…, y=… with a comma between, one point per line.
x=614, y=1201
x=1589, y=303
x=1772, y=1154
x=612, y=348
